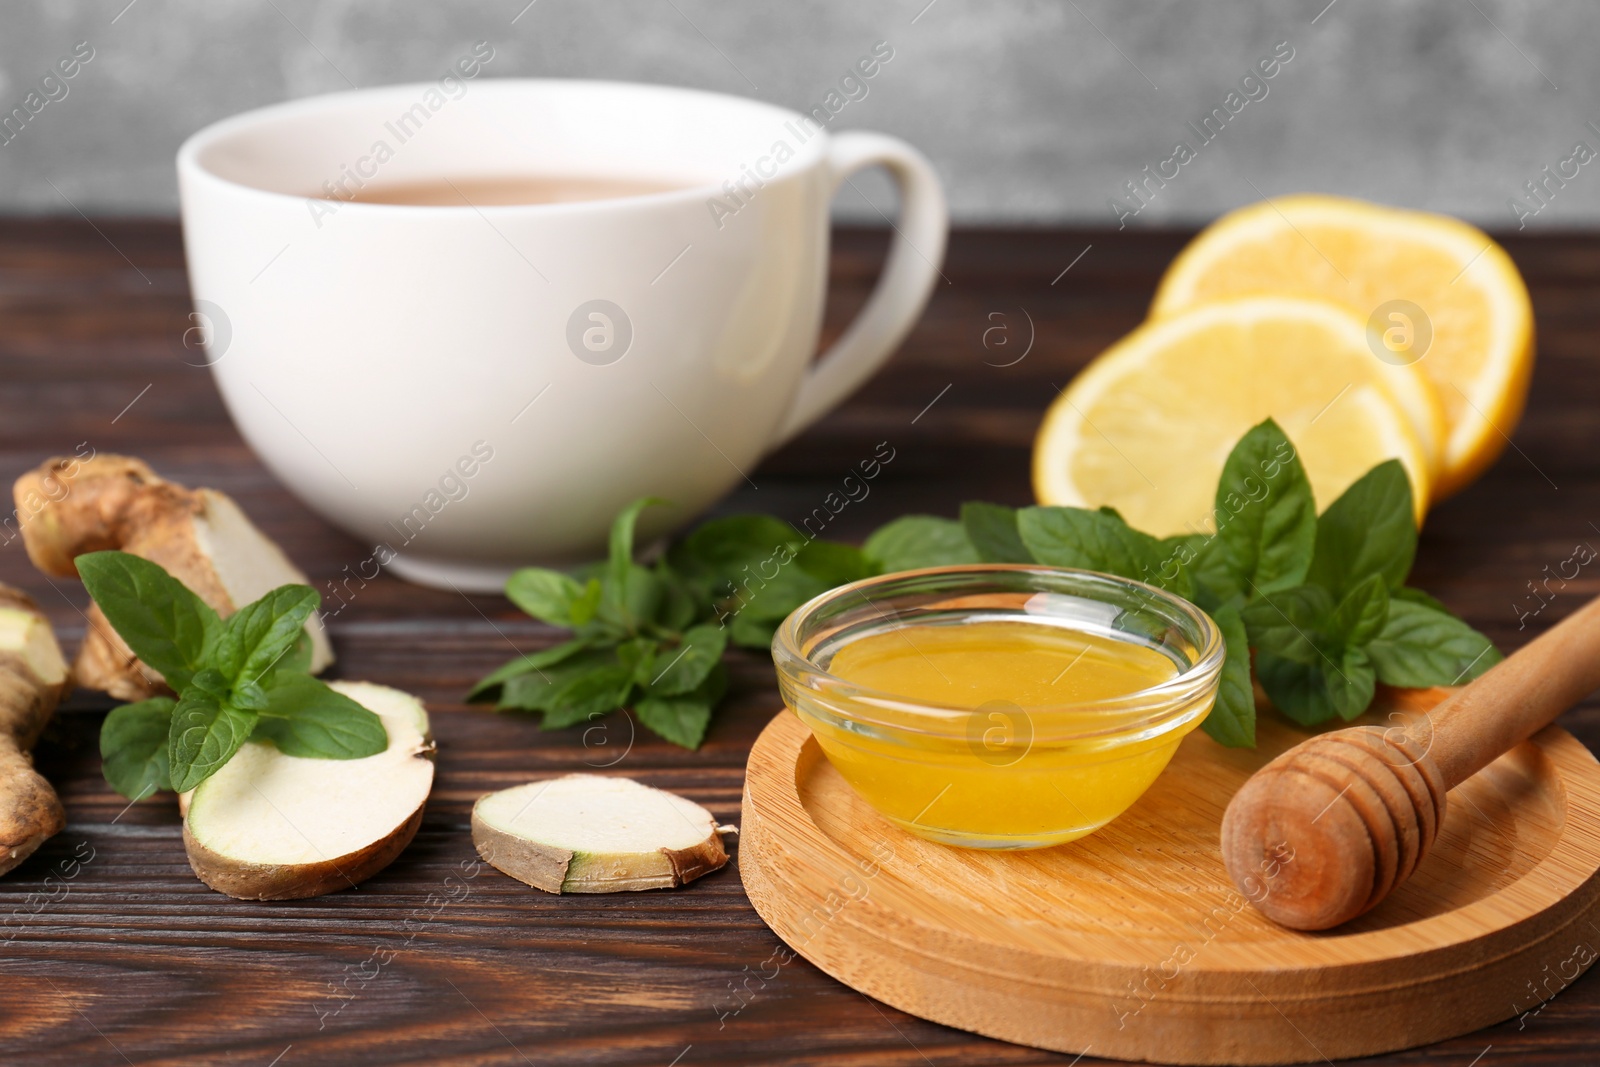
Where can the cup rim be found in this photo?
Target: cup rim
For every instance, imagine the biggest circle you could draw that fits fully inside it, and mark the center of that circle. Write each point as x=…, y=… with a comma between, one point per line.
x=1167, y=696
x=189, y=165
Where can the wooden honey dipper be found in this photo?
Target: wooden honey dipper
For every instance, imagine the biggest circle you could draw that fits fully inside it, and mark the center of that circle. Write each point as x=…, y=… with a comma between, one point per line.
x=1326, y=831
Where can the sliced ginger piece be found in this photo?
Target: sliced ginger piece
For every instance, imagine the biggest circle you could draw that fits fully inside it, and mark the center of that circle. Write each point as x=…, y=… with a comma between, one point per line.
x=33, y=678
x=586, y=833
x=268, y=826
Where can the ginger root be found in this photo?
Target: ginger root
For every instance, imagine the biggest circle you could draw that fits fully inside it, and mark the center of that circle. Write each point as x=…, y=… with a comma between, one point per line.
x=33, y=679
x=200, y=536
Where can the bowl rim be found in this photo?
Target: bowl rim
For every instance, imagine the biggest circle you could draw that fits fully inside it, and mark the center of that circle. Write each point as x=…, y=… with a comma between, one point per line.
x=1169, y=697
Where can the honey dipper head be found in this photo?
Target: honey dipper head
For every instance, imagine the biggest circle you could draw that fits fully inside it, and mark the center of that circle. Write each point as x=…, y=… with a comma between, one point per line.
x=1325, y=831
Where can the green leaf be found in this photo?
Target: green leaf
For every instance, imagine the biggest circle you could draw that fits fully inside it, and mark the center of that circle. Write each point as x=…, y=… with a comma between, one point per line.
x=679, y=604
x=535, y=690
x=1292, y=624
x=167, y=626
x=587, y=605
x=1370, y=529
x=831, y=563
x=205, y=734
x=682, y=670
x=1178, y=570
x=1232, y=719
x=683, y=719
x=305, y=717
x=546, y=595
x=722, y=546
x=595, y=692
x=298, y=659
x=548, y=657
x=210, y=680
x=748, y=632
x=1420, y=646
x=629, y=592
x=133, y=747
x=778, y=585
x=1096, y=541
x=1310, y=693
x=1266, y=519
x=746, y=566
x=639, y=657
x=645, y=594
x=915, y=541
x=258, y=635
x=620, y=565
x=992, y=530
x=1361, y=614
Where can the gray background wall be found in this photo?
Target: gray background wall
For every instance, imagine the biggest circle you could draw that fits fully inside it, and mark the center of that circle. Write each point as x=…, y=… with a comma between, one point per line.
x=1032, y=111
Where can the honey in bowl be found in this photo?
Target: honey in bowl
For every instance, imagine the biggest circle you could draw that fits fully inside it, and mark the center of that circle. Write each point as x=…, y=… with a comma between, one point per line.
x=999, y=706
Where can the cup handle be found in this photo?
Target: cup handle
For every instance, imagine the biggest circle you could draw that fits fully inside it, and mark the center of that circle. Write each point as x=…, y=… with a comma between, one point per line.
x=903, y=289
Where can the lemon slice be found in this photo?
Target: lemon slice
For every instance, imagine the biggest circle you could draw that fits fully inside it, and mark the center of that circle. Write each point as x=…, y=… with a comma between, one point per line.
x=1147, y=427
x=1433, y=291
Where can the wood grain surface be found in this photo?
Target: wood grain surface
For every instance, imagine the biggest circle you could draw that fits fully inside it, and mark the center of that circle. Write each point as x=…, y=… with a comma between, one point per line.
x=111, y=952
x=1129, y=942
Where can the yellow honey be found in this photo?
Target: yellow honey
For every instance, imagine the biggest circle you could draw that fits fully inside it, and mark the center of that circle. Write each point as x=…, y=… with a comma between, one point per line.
x=1035, y=743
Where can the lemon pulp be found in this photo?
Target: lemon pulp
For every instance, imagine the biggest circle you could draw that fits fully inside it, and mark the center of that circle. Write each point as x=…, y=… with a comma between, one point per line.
x=1029, y=753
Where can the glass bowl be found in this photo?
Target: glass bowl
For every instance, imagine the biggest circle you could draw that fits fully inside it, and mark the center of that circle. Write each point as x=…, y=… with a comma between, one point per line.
x=997, y=775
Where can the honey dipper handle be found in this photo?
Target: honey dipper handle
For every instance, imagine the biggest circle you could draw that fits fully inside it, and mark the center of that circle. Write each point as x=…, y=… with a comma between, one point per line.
x=1518, y=697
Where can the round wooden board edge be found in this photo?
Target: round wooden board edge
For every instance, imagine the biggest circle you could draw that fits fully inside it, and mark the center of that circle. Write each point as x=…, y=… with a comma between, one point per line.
x=852, y=943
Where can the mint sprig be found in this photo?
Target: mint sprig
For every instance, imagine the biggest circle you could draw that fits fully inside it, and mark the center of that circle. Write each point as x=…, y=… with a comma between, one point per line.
x=1317, y=602
x=237, y=679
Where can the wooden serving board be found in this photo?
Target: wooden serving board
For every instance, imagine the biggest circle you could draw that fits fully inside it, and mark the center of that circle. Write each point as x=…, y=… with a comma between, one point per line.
x=1133, y=943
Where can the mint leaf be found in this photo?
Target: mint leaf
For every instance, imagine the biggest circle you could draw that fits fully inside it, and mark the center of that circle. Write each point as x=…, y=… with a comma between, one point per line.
x=1370, y=529
x=1232, y=719
x=621, y=542
x=1291, y=624
x=720, y=550
x=1361, y=614
x=992, y=531
x=629, y=591
x=628, y=605
x=257, y=636
x=163, y=622
x=305, y=717
x=587, y=604
x=1097, y=541
x=205, y=734
x=534, y=690
x=597, y=691
x=1310, y=693
x=638, y=658
x=778, y=585
x=546, y=595
x=1266, y=519
x=298, y=659
x=749, y=632
x=683, y=719
x=915, y=541
x=1420, y=646
x=679, y=606
x=682, y=670
x=1178, y=570
x=548, y=657
x=831, y=563
x=133, y=747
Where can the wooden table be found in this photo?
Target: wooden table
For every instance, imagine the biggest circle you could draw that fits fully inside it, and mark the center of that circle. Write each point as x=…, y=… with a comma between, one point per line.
x=133, y=960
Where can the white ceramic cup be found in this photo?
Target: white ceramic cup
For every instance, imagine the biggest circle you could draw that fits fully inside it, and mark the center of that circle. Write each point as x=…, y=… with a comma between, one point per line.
x=470, y=389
